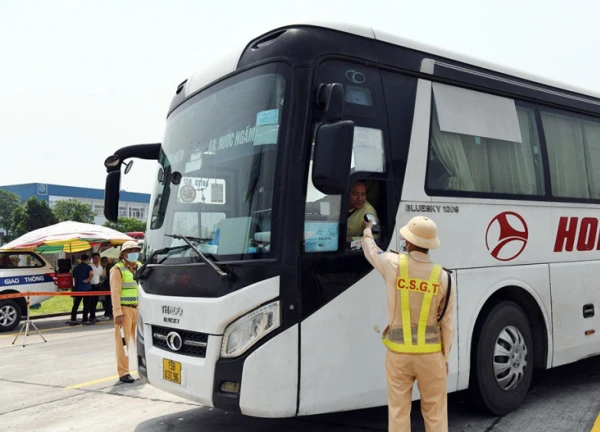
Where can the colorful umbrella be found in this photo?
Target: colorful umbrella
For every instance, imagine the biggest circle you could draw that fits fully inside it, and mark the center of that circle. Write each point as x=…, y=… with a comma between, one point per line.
x=67, y=237
x=112, y=252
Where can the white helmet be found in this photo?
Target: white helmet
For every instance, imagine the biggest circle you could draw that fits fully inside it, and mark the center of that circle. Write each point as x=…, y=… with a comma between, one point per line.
x=422, y=232
x=130, y=246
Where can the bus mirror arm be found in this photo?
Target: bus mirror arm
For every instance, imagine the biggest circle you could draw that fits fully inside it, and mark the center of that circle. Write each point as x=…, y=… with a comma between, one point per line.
x=140, y=151
x=330, y=98
x=113, y=178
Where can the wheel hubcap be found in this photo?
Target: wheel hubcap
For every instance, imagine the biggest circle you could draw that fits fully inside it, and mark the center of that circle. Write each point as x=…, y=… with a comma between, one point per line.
x=510, y=358
x=8, y=315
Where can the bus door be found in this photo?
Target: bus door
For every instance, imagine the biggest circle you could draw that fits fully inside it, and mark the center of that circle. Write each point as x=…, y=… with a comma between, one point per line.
x=343, y=297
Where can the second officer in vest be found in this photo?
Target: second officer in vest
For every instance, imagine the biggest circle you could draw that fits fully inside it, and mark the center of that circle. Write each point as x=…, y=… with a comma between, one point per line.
x=421, y=326
x=124, y=295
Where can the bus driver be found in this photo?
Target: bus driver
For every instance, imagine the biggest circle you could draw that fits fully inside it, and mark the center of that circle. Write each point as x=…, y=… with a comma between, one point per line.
x=358, y=206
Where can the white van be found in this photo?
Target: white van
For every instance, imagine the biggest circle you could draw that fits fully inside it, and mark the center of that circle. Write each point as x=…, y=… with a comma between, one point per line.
x=22, y=272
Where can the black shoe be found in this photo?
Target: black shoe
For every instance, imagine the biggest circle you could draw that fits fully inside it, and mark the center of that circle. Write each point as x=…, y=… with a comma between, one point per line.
x=128, y=379
x=88, y=323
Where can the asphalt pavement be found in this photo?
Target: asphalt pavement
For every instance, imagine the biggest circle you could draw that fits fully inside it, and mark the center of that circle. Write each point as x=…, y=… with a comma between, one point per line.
x=70, y=383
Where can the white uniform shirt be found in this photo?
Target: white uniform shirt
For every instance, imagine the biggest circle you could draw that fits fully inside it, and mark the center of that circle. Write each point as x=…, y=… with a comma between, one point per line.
x=97, y=273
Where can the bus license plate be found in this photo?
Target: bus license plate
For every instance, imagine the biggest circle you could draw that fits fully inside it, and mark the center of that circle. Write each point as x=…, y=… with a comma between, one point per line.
x=172, y=371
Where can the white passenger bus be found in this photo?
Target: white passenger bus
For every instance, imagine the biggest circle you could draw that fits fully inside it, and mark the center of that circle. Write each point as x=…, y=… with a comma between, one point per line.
x=254, y=299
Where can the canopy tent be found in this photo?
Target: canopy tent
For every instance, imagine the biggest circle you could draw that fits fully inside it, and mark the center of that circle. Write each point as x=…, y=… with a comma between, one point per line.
x=112, y=252
x=69, y=237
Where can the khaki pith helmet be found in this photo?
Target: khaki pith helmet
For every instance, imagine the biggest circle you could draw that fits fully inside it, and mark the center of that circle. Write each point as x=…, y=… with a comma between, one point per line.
x=422, y=232
x=130, y=246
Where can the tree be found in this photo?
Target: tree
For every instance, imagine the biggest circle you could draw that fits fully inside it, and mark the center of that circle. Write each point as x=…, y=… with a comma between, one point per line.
x=32, y=215
x=9, y=201
x=73, y=210
x=125, y=224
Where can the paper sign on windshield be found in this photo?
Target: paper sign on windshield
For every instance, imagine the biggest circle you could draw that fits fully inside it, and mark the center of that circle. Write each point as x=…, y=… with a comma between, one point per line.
x=201, y=190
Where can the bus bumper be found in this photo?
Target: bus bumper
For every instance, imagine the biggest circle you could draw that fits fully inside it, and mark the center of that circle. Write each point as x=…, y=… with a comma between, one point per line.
x=261, y=382
x=196, y=375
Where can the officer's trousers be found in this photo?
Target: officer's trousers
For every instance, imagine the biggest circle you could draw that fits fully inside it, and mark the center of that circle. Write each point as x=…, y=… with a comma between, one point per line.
x=429, y=370
x=129, y=325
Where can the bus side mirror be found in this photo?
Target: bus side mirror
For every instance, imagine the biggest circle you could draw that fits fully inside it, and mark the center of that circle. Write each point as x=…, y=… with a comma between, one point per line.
x=111, y=195
x=332, y=157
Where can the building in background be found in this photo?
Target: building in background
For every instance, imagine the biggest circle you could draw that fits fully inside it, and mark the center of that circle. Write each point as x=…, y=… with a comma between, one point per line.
x=131, y=204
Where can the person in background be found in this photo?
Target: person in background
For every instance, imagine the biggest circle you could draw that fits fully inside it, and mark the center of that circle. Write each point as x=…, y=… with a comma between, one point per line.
x=105, y=286
x=83, y=274
x=98, y=270
x=124, y=292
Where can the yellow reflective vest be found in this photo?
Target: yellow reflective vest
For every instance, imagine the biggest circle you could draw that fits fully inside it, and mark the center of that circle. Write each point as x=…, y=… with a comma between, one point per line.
x=414, y=328
x=129, y=290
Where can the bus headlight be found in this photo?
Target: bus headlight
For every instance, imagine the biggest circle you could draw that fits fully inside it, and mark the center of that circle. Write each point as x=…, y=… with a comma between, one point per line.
x=244, y=332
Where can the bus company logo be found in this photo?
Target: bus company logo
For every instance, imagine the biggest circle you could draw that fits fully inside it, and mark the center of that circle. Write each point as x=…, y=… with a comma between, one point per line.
x=506, y=236
x=355, y=76
x=174, y=341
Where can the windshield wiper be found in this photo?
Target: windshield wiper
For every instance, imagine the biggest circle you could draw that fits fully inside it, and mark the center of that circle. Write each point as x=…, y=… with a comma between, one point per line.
x=196, y=239
x=139, y=273
x=224, y=276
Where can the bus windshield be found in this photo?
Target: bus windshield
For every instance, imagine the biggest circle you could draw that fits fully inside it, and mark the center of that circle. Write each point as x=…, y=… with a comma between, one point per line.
x=217, y=167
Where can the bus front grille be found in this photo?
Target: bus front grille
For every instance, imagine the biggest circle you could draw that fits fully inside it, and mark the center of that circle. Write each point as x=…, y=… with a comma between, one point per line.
x=180, y=341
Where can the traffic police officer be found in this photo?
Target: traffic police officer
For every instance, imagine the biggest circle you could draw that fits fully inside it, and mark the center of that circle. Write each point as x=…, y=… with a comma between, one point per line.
x=124, y=295
x=421, y=324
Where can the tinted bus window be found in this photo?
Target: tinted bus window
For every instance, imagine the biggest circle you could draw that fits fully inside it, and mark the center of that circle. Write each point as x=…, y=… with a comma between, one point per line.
x=483, y=143
x=573, y=144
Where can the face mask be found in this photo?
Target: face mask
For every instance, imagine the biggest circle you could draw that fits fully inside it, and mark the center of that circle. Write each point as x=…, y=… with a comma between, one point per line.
x=132, y=256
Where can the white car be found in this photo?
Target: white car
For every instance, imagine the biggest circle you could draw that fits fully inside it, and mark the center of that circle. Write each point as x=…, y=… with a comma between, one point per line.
x=22, y=272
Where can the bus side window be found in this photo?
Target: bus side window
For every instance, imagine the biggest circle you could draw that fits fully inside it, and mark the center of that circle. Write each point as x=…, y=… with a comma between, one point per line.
x=321, y=219
x=323, y=213
x=493, y=150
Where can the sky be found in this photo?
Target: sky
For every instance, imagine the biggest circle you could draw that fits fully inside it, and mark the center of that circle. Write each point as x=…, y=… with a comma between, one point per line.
x=80, y=79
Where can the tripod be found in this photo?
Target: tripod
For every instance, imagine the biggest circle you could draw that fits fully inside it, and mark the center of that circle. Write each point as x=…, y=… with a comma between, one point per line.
x=25, y=327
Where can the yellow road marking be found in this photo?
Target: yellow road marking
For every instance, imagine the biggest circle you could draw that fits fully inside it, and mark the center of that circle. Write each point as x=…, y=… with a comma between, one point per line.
x=596, y=427
x=32, y=330
x=89, y=383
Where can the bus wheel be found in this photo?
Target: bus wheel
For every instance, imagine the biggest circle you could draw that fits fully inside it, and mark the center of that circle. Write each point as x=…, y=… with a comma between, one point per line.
x=10, y=315
x=502, y=369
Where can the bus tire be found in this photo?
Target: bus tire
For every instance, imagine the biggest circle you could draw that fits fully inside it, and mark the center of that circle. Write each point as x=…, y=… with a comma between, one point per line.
x=10, y=315
x=502, y=367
